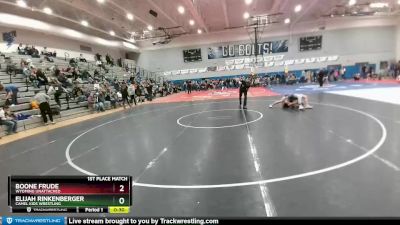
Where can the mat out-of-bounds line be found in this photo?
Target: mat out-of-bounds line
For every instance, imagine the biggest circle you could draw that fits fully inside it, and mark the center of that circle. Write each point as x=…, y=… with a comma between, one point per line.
x=252, y=183
x=384, y=161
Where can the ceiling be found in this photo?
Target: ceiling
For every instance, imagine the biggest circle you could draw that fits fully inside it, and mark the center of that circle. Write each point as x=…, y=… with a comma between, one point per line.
x=211, y=16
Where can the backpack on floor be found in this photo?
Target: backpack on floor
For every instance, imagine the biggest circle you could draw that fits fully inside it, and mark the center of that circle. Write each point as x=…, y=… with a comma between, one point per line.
x=34, y=105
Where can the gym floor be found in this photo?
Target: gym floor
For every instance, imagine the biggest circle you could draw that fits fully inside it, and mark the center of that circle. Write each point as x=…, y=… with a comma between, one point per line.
x=209, y=158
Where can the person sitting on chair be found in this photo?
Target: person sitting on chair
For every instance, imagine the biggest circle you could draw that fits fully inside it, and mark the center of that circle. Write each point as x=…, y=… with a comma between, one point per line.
x=8, y=121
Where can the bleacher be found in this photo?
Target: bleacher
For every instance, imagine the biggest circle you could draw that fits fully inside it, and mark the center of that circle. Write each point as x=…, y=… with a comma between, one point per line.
x=26, y=90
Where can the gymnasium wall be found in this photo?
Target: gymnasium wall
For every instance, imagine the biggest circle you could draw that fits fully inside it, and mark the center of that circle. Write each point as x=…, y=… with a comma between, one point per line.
x=373, y=44
x=57, y=43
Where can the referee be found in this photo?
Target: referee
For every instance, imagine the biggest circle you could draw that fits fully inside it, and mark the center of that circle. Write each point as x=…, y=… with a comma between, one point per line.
x=243, y=88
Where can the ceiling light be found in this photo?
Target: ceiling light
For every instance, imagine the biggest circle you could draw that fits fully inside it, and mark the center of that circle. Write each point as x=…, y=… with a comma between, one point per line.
x=181, y=10
x=287, y=20
x=85, y=23
x=298, y=8
x=398, y=2
x=248, y=2
x=129, y=16
x=199, y=31
x=72, y=33
x=191, y=22
x=101, y=1
x=129, y=45
x=246, y=15
x=149, y=27
x=21, y=3
x=23, y=22
x=47, y=10
x=379, y=5
x=112, y=33
x=106, y=42
x=352, y=2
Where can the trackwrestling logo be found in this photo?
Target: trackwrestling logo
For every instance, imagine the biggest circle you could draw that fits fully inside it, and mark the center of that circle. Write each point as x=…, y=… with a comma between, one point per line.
x=9, y=220
x=33, y=220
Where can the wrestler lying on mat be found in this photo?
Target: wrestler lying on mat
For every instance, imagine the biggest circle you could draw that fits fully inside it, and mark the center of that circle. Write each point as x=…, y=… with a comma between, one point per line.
x=293, y=101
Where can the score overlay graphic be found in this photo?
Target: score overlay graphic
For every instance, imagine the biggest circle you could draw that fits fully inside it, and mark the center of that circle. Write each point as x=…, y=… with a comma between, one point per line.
x=69, y=194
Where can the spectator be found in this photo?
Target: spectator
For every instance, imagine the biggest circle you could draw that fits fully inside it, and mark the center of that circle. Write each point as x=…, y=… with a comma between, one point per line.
x=132, y=79
x=91, y=101
x=49, y=59
x=100, y=105
x=131, y=91
x=303, y=79
x=33, y=79
x=81, y=58
x=364, y=71
x=85, y=75
x=292, y=79
x=343, y=72
x=44, y=52
x=10, y=66
x=44, y=106
x=75, y=73
x=357, y=77
x=109, y=60
x=21, y=50
x=27, y=50
x=34, y=52
x=56, y=71
x=97, y=57
x=125, y=94
x=27, y=71
x=73, y=62
x=41, y=77
x=114, y=99
x=321, y=75
x=8, y=121
x=11, y=93
x=25, y=63
x=76, y=90
x=57, y=89
x=80, y=95
x=63, y=80
x=139, y=93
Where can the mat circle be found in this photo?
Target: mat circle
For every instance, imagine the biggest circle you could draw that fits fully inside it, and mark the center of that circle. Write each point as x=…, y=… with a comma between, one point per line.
x=260, y=116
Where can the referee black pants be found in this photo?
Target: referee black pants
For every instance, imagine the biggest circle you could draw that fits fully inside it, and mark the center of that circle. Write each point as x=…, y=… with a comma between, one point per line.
x=241, y=93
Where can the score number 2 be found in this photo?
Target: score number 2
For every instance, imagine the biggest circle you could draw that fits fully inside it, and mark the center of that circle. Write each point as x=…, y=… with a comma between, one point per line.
x=121, y=200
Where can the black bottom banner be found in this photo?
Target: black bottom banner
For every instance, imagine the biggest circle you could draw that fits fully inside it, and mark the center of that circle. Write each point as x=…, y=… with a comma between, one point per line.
x=206, y=221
